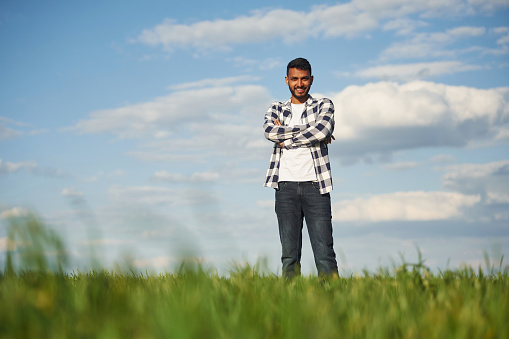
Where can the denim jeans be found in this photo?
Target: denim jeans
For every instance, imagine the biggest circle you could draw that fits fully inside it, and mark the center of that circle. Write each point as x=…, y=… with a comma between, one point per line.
x=296, y=201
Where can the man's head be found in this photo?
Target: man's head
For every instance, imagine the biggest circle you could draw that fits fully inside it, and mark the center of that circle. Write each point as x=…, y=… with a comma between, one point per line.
x=299, y=79
x=299, y=63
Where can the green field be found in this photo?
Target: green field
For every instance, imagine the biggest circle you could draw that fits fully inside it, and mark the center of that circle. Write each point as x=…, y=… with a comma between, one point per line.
x=38, y=300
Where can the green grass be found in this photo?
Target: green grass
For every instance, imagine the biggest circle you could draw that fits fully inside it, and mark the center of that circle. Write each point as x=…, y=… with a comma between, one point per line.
x=38, y=300
x=196, y=304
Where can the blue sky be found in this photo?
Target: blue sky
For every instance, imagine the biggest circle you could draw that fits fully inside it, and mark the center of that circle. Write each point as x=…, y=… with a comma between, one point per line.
x=135, y=128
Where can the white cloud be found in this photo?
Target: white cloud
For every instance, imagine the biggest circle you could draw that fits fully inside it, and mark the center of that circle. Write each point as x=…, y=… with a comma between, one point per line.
x=489, y=178
x=8, y=133
x=502, y=133
x=400, y=166
x=403, y=26
x=475, y=171
x=497, y=198
x=11, y=167
x=465, y=31
x=38, y=131
x=488, y=5
x=501, y=30
x=379, y=118
x=409, y=206
x=13, y=213
x=416, y=70
x=217, y=82
x=503, y=40
x=425, y=45
x=32, y=168
x=371, y=120
x=258, y=27
x=347, y=19
x=71, y=192
x=181, y=113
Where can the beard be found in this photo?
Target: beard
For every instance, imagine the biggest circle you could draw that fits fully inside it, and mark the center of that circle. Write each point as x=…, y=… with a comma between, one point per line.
x=299, y=95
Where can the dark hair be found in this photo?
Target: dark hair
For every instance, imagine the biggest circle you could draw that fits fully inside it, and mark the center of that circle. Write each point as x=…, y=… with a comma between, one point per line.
x=299, y=63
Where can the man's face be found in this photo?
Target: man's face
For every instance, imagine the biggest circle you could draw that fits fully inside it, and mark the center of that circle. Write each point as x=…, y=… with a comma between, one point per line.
x=299, y=81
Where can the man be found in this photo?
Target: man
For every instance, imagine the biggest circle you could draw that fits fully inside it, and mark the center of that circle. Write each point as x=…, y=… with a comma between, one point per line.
x=300, y=172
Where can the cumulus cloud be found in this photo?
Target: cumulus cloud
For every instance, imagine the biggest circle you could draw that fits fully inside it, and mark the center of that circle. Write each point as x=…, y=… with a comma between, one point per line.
x=372, y=122
x=404, y=206
x=196, y=123
x=497, y=198
x=489, y=179
x=179, y=113
x=380, y=118
x=346, y=19
x=415, y=71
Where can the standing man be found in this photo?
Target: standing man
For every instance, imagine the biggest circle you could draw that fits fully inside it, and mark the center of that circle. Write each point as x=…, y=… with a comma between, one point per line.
x=300, y=171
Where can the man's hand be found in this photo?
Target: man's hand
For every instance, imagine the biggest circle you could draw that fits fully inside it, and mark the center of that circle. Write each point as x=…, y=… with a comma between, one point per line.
x=329, y=140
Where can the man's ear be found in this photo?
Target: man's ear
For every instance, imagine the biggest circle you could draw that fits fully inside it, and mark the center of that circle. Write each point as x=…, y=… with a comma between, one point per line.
x=286, y=79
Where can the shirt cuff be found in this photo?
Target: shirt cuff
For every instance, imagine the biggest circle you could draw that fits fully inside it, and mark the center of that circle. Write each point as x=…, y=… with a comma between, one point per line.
x=287, y=143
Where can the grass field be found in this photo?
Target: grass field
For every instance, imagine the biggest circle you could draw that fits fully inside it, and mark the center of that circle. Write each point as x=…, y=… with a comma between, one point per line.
x=38, y=300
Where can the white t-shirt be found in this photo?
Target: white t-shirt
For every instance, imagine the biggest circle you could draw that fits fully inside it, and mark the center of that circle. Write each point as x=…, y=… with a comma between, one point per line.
x=297, y=164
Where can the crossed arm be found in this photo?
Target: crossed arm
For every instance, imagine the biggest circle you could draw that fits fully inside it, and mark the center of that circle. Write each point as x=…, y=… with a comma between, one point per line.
x=290, y=137
x=326, y=141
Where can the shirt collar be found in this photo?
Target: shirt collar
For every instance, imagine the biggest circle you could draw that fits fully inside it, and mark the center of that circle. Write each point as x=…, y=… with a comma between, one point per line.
x=308, y=102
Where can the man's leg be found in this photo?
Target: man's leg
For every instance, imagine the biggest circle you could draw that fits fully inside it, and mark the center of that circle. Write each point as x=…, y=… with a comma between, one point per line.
x=317, y=211
x=290, y=218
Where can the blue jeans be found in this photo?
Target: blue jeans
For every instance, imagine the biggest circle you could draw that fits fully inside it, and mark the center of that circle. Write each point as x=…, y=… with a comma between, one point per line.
x=294, y=202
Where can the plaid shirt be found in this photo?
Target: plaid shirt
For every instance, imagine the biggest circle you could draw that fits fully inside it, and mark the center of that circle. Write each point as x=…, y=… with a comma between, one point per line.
x=318, y=119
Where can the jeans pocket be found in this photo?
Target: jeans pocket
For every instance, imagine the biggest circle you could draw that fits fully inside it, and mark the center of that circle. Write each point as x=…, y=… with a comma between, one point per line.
x=316, y=184
x=281, y=186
